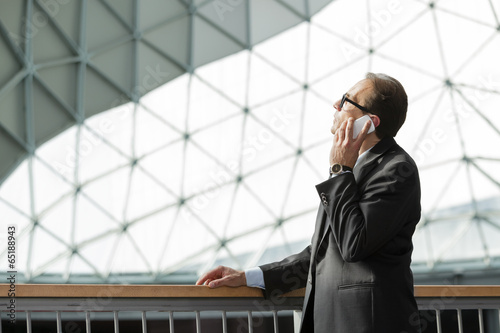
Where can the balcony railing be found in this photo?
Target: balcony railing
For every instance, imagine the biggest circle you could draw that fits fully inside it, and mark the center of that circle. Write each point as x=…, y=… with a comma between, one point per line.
x=67, y=305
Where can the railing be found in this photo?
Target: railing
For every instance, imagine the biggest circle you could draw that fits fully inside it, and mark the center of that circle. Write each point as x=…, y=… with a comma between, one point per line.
x=233, y=309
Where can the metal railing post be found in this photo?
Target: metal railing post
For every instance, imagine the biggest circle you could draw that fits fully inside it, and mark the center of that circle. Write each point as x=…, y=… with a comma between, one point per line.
x=297, y=318
x=116, y=321
x=28, y=322
x=144, y=323
x=87, y=322
x=250, y=322
x=198, y=322
x=275, y=320
x=58, y=316
x=224, y=322
x=438, y=321
x=171, y=321
x=460, y=322
x=481, y=323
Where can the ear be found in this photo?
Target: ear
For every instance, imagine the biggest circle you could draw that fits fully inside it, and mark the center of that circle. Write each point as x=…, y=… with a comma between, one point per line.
x=375, y=120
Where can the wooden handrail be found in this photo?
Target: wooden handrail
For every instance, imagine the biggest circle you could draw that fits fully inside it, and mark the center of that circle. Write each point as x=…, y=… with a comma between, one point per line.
x=187, y=291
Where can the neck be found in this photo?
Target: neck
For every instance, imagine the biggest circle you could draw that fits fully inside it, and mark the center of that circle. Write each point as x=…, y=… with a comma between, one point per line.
x=370, y=141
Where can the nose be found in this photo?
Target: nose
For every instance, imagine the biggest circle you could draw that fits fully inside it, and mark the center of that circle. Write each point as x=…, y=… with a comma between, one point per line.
x=336, y=105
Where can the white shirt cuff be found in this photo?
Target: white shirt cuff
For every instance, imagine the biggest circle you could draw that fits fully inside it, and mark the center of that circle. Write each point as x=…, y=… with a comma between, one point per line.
x=255, y=277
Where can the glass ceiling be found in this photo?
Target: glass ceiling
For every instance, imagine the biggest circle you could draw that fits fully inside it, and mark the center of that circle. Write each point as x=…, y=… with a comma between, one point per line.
x=220, y=165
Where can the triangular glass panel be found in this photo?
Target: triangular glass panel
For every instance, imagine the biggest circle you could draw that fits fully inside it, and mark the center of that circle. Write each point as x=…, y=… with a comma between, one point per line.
x=114, y=28
x=109, y=193
x=268, y=82
x=228, y=77
x=230, y=17
x=113, y=127
x=96, y=157
x=50, y=117
x=302, y=195
x=99, y=252
x=62, y=81
x=92, y=223
x=170, y=101
x=173, y=38
x=48, y=186
x=121, y=72
x=288, y=51
x=205, y=36
x=165, y=166
x=208, y=107
x=156, y=12
x=423, y=53
x=146, y=195
x=16, y=189
x=52, y=261
x=45, y=35
x=266, y=11
x=481, y=11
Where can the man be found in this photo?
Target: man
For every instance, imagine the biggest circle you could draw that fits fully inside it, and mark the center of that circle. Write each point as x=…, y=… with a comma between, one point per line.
x=357, y=269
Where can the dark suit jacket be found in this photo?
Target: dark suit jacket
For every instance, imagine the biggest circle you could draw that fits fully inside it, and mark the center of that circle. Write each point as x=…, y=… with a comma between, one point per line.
x=357, y=269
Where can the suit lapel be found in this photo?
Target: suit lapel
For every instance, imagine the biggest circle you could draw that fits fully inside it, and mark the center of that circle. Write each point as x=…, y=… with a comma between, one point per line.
x=367, y=163
x=362, y=168
x=319, y=229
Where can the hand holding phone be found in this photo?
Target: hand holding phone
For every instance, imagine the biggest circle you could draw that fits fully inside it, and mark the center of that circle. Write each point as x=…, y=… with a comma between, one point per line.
x=359, y=124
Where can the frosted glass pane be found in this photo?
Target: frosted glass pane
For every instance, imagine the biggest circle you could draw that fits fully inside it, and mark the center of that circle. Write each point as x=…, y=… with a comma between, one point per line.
x=60, y=153
x=91, y=222
x=248, y=213
x=109, y=193
x=116, y=125
x=98, y=253
x=96, y=157
x=170, y=102
x=268, y=82
x=47, y=261
x=208, y=107
x=152, y=132
x=228, y=76
x=165, y=166
x=470, y=246
x=145, y=196
x=48, y=186
x=60, y=220
x=16, y=189
x=288, y=51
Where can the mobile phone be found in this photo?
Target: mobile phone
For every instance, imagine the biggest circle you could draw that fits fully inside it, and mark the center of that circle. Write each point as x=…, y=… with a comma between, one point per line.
x=358, y=126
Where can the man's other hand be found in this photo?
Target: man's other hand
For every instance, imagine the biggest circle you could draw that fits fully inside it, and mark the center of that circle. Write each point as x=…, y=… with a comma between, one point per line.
x=223, y=276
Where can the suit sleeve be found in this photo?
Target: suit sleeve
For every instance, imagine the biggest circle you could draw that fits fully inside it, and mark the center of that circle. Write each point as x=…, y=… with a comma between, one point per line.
x=286, y=275
x=362, y=223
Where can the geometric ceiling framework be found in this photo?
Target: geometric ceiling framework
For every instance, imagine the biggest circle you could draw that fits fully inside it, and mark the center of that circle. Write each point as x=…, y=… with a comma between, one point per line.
x=220, y=163
x=64, y=61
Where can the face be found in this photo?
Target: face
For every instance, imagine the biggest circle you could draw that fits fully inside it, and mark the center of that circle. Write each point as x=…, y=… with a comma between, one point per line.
x=359, y=94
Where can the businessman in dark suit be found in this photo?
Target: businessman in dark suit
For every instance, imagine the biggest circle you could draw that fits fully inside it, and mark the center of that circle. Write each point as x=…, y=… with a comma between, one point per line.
x=357, y=269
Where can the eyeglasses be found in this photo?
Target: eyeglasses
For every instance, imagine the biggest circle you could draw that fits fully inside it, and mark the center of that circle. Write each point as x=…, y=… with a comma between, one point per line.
x=344, y=98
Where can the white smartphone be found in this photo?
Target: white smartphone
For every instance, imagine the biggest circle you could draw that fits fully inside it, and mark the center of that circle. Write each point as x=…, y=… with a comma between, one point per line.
x=358, y=126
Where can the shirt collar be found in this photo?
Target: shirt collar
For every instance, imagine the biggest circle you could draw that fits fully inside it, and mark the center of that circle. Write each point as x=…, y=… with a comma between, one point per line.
x=360, y=157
